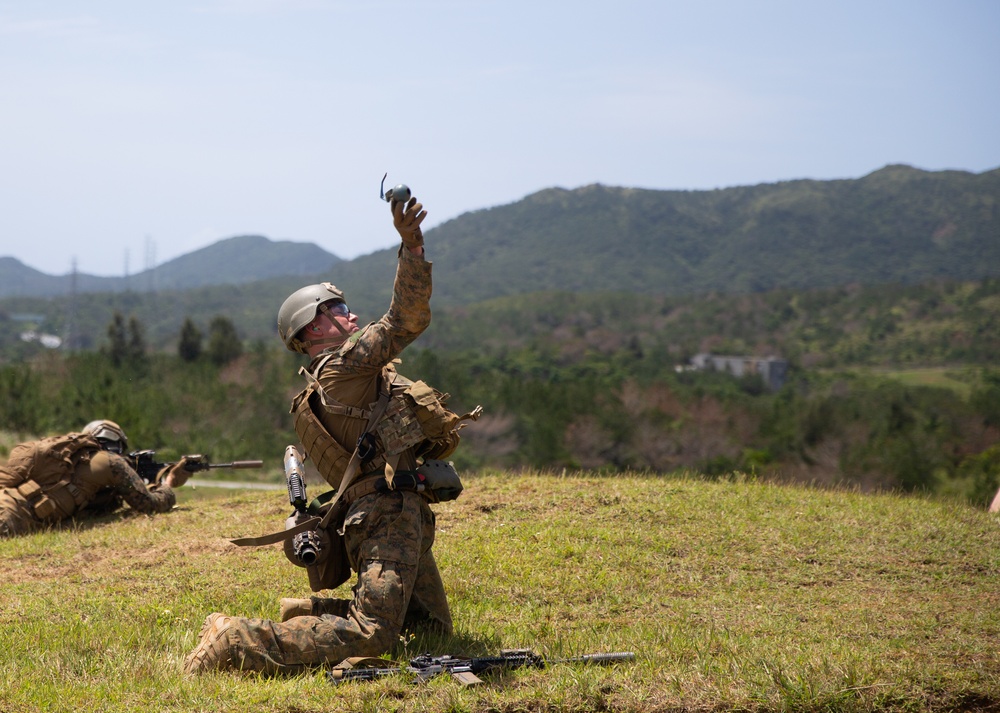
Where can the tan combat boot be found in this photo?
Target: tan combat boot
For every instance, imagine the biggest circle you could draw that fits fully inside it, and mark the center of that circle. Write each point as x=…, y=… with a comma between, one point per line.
x=213, y=653
x=291, y=608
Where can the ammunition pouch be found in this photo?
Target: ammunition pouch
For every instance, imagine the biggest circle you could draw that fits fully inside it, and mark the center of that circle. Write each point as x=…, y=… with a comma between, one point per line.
x=322, y=551
x=442, y=480
x=40, y=504
x=436, y=480
x=53, y=503
x=418, y=417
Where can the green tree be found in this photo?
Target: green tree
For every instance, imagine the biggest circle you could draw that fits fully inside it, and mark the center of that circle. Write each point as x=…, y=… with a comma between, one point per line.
x=136, y=346
x=21, y=410
x=986, y=398
x=224, y=343
x=118, y=346
x=189, y=347
x=983, y=473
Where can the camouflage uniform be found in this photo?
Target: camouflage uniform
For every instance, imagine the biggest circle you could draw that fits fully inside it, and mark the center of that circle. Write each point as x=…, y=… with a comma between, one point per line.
x=50, y=480
x=388, y=537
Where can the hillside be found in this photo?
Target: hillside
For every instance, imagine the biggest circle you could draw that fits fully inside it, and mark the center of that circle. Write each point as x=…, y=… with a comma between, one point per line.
x=233, y=261
x=939, y=323
x=734, y=595
x=896, y=225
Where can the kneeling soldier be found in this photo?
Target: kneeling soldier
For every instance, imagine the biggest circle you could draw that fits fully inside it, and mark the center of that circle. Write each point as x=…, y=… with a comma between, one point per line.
x=387, y=527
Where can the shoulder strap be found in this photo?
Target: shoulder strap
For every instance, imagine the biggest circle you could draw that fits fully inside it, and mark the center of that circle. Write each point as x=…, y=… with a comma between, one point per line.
x=274, y=537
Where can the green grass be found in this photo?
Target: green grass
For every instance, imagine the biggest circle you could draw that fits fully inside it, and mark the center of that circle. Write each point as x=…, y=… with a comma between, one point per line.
x=941, y=377
x=734, y=596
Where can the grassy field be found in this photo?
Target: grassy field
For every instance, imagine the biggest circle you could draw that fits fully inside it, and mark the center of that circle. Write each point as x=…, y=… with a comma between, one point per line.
x=734, y=595
x=938, y=376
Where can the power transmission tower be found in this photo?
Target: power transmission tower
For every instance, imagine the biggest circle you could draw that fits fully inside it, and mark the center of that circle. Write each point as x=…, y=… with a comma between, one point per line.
x=70, y=339
x=151, y=263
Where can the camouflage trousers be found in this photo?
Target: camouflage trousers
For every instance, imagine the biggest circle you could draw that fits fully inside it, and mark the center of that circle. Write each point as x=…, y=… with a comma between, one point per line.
x=388, y=539
x=17, y=516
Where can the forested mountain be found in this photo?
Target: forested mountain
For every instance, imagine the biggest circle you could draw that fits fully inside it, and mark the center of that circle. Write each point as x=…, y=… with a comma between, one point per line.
x=896, y=226
x=237, y=260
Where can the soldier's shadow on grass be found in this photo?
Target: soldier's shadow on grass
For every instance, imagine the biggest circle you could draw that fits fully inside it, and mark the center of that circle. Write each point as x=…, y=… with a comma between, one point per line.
x=423, y=640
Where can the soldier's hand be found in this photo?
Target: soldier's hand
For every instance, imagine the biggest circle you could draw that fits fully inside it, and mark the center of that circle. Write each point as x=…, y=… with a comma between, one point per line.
x=174, y=476
x=407, y=219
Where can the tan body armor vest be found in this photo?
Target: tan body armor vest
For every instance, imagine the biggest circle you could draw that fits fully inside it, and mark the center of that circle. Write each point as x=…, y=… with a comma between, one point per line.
x=416, y=417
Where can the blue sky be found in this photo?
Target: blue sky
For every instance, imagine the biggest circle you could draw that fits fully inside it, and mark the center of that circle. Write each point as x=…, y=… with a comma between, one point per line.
x=131, y=133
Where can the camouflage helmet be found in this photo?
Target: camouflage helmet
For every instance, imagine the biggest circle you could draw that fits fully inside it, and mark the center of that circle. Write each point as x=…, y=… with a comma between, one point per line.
x=104, y=430
x=300, y=308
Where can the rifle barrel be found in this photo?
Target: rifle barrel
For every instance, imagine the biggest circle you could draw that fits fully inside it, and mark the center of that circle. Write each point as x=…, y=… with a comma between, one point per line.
x=360, y=674
x=600, y=658
x=246, y=464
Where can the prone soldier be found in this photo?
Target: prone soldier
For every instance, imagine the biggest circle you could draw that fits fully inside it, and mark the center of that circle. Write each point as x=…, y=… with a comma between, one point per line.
x=78, y=475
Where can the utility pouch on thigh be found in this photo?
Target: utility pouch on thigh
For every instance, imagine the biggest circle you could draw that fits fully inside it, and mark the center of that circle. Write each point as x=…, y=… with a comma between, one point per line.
x=441, y=480
x=62, y=500
x=335, y=568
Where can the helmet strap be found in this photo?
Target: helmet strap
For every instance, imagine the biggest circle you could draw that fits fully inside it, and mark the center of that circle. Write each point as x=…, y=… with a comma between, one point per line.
x=326, y=311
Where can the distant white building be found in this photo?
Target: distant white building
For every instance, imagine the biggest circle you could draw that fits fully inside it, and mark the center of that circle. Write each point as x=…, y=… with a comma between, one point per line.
x=772, y=370
x=49, y=341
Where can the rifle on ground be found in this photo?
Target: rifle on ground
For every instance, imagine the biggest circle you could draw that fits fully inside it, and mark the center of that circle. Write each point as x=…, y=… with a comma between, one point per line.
x=144, y=463
x=464, y=670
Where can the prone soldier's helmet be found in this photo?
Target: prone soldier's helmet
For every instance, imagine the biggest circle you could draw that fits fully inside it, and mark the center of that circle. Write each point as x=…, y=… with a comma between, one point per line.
x=300, y=308
x=109, y=434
